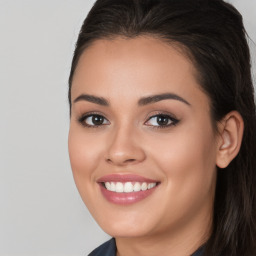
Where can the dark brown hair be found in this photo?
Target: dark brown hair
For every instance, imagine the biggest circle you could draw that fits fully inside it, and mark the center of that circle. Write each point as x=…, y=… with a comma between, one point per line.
x=213, y=36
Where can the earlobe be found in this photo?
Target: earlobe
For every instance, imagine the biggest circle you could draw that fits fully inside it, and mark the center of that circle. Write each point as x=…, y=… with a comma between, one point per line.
x=230, y=138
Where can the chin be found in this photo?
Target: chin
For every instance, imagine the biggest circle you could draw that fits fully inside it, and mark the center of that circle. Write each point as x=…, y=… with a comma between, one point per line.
x=126, y=225
x=126, y=231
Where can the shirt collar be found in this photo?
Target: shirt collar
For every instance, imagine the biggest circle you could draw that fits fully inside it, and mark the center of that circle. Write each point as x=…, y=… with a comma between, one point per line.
x=109, y=249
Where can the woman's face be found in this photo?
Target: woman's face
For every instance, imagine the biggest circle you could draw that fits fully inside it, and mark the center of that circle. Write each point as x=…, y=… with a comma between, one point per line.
x=141, y=142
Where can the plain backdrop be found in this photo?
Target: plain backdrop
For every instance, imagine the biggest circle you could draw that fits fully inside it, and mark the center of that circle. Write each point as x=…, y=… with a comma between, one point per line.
x=41, y=213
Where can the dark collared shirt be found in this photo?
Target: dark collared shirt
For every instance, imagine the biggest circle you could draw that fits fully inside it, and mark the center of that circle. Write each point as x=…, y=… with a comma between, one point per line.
x=109, y=249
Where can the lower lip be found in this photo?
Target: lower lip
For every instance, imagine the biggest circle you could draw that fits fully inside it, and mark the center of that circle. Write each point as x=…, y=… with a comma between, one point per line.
x=126, y=198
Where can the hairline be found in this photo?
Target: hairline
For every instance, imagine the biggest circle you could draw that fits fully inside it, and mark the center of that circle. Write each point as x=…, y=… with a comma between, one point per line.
x=178, y=46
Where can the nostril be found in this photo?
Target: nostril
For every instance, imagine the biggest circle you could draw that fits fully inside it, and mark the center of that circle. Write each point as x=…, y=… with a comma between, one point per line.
x=129, y=160
x=109, y=160
x=120, y=161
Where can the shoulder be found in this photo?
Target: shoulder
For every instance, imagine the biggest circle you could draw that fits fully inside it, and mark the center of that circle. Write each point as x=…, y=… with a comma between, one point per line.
x=106, y=249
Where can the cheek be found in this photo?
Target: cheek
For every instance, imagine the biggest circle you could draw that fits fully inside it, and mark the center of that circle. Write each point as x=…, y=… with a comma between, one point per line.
x=84, y=153
x=187, y=160
x=186, y=147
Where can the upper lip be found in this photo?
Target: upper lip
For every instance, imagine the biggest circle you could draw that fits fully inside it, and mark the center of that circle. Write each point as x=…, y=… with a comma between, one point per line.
x=125, y=178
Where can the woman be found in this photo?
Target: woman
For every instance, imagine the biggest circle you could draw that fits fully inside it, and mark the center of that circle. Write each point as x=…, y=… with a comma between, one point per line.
x=162, y=132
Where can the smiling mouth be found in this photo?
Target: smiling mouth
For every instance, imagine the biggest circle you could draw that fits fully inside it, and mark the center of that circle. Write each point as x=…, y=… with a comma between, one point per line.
x=128, y=187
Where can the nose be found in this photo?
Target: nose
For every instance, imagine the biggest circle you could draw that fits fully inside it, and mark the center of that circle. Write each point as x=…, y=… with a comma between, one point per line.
x=124, y=148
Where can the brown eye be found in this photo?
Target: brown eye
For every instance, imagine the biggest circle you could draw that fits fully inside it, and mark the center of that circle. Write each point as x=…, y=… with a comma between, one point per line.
x=97, y=120
x=93, y=120
x=161, y=121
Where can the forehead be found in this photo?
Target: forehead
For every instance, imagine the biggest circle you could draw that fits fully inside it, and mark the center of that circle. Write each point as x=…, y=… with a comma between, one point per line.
x=132, y=52
x=144, y=65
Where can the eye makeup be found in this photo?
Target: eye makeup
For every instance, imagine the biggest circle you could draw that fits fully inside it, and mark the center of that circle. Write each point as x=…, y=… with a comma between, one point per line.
x=157, y=120
x=93, y=120
x=161, y=120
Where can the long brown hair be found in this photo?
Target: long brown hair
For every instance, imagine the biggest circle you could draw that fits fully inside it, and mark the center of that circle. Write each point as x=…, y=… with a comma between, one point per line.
x=212, y=34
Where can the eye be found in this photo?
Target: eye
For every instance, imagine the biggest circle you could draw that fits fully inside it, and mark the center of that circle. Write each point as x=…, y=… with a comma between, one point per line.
x=161, y=121
x=93, y=120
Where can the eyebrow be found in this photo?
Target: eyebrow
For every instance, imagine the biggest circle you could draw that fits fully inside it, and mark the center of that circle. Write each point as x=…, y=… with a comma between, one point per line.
x=159, y=97
x=142, y=102
x=94, y=99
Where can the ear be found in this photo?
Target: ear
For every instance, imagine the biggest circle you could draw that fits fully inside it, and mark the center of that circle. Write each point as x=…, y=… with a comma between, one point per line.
x=230, y=130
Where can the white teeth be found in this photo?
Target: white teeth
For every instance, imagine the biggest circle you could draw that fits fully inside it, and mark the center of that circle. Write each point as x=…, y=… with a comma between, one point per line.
x=112, y=186
x=128, y=187
x=151, y=185
x=108, y=185
x=144, y=186
x=136, y=187
x=119, y=187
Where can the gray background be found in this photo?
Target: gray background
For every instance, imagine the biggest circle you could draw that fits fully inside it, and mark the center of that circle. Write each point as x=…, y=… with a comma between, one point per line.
x=41, y=212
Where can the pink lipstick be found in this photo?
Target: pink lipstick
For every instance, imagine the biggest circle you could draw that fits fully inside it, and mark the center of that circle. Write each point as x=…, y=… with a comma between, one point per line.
x=126, y=189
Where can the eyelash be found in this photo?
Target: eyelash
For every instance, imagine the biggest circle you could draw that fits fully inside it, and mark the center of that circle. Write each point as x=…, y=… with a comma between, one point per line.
x=83, y=118
x=171, y=120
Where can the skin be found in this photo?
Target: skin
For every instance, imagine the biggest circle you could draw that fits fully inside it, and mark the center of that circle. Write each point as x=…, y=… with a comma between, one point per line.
x=177, y=218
